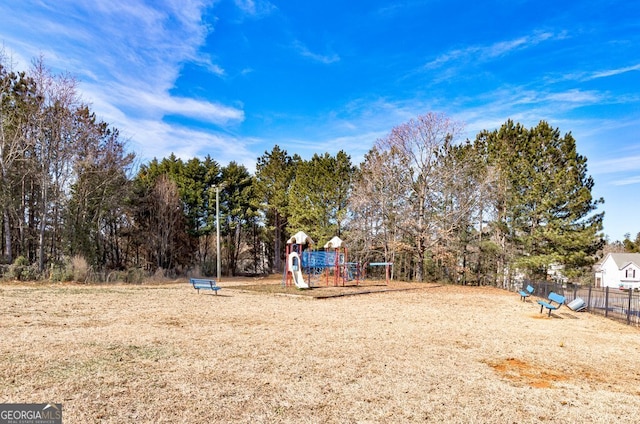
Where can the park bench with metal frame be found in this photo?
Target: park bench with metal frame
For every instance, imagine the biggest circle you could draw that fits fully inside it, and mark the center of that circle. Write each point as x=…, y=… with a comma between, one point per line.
x=554, y=302
x=204, y=284
x=528, y=291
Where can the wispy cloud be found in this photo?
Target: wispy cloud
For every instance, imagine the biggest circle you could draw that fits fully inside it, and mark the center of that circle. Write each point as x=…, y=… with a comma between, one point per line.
x=393, y=8
x=160, y=104
x=491, y=109
x=628, y=181
x=303, y=50
x=561, y=99
x=583, y=76
x=128, y=55
x=612, y=72
x=186, y=143
x=488, y=52
x=618, y=165
x=255, y=8
x=206, y=62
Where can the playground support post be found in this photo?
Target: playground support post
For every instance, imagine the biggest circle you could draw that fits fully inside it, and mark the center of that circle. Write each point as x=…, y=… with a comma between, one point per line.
x=387, y=265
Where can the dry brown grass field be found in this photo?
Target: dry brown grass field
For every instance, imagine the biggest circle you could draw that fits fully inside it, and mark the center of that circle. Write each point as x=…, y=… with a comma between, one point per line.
x=161, y=353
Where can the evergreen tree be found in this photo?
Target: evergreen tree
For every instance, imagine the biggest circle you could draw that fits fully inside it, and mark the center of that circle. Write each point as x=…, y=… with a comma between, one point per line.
x=631, y=246
x=196, y=182
x=319, y=195
x=167, y=195
x=275, y=172
x=459, y=212
x=543, y=202
x=18, y=104
x=238, y=214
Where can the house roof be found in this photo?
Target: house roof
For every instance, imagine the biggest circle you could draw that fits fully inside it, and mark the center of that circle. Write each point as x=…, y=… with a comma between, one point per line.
x=624, y=259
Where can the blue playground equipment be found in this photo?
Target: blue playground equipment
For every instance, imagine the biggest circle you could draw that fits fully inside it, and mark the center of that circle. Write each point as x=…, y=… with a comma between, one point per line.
x=306, y=267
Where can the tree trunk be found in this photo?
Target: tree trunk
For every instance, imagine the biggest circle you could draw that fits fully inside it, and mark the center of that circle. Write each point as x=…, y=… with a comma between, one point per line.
x=8, y=253
x=277, y=262
x=43, y=221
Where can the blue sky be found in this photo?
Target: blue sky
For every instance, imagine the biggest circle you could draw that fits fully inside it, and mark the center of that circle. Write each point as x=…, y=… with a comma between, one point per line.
x=232, y=78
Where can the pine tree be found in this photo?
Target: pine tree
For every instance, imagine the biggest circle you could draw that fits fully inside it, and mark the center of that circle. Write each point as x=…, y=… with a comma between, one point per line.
x=275, y=173
x=319, y=195
x=237, y=212
x=542, y=196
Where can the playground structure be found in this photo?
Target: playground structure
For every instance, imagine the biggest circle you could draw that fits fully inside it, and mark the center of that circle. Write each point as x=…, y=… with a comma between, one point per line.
x=331, y=263
x=293, y=264
x=344, y=271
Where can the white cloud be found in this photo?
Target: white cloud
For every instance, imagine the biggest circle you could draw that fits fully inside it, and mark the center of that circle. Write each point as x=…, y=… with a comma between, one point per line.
x=491, y=109
x=255, y=8
x=487, y=52
x=628, y=181
x=505, y=47
x=151, y=138
x=159, y=104
x=128, y=55
x=322, y=58
x=575, y=96
x=613, y=72
x=617, y=165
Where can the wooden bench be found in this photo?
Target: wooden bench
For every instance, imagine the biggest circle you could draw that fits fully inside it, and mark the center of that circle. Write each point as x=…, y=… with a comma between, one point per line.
x=204, y=284
x=526, y=293
x=554, y=302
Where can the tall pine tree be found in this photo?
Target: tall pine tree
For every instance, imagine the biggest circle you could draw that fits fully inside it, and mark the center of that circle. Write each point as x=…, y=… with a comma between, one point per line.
x=545, y=212
x=319, y=195
x=275, y=172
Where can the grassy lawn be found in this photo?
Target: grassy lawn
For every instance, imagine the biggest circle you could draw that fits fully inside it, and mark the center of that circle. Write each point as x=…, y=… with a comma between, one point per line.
x=262, y=353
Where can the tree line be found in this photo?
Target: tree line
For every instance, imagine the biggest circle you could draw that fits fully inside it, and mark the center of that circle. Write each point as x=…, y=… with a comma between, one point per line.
x=513, y=201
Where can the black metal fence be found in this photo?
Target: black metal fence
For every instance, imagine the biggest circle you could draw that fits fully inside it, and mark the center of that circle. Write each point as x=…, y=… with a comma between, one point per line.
x=620, y=305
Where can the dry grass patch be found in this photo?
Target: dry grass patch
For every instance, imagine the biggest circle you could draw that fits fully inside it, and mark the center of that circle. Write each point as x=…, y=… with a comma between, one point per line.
x=163, y=353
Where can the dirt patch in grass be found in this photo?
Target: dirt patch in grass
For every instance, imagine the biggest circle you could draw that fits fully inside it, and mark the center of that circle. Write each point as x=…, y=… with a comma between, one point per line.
x=521, y=372
x=261, y=353
x=322, y=290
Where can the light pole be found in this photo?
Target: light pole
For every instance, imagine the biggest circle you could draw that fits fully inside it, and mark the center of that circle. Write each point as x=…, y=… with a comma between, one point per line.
x=218, y=230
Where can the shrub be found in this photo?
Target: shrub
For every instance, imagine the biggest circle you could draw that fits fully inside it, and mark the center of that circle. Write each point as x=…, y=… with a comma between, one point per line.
x=131, y=275
x=116, y=276
x=74, y=269
x=60, y=272
x=135, y=275
x=21, y=270
x=80, y=268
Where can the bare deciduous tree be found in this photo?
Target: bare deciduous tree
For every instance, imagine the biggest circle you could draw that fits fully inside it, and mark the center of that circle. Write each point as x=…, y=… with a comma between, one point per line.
x=167, y=222
x=415, y=184
x=376, y=203
x=53, y=147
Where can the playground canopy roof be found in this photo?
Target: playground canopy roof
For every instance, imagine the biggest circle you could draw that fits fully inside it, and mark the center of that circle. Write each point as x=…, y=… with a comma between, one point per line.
x=334, y=243
x=300, y=238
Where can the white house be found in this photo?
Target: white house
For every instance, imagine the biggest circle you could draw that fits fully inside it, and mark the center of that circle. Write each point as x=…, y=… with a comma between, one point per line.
x=619, y=270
